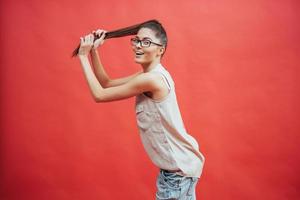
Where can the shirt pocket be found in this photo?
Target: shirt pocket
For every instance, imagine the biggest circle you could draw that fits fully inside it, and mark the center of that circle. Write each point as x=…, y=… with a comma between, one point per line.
x=148, y=121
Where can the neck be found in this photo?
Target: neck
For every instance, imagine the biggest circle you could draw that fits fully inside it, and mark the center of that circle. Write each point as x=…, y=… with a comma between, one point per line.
x=149, y=66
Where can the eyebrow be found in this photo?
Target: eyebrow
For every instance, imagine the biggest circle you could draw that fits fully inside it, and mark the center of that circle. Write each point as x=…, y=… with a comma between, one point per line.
x=144, y=38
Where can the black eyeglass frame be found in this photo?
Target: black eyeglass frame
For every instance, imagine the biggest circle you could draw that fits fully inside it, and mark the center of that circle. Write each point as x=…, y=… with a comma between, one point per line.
x=133, y=40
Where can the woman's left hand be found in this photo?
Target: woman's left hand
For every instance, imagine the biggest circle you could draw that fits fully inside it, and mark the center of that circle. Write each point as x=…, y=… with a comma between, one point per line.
x=86, y=44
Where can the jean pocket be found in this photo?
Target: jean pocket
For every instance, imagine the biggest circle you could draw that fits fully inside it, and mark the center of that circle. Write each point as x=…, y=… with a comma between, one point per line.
x=167, y=187
x=192, y=186
x=171, y=179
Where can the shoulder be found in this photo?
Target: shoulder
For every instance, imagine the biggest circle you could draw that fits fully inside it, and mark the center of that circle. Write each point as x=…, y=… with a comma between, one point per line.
x=149, y=79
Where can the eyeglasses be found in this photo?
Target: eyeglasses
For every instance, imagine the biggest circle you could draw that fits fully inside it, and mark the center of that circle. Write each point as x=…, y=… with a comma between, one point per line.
x=144, y=43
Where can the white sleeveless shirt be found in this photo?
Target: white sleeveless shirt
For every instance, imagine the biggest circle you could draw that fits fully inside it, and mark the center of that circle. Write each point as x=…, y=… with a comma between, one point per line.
x=163, y=134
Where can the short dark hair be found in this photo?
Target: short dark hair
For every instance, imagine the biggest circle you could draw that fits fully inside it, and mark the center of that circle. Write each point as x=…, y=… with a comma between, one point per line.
x=159, y=30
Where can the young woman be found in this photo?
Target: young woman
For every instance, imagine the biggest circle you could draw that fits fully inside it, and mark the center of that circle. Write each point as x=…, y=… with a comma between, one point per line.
x=161, y=128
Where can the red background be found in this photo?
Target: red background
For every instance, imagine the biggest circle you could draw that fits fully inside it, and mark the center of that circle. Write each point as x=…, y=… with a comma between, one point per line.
x=236, y=68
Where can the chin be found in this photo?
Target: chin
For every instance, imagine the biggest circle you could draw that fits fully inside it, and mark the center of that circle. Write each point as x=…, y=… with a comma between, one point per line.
x=139, y=61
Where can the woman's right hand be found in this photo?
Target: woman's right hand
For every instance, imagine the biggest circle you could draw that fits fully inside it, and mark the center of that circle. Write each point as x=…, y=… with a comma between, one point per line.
x=100, y=34
x=86, y=44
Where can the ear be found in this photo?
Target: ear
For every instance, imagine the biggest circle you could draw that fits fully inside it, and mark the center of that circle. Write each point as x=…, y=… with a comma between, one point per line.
x=161, y=50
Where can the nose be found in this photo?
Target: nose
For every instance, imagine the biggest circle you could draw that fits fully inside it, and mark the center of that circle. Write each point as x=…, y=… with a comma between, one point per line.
x=138, y=44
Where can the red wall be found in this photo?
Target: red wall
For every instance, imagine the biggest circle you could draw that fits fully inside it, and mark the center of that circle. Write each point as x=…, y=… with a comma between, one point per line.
x=236, y=68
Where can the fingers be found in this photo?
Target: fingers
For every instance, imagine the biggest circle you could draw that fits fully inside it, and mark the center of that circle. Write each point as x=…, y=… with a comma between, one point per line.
x=94, y=39
x=99, y=32
x=87, y=40
x=102, y=35
x=90, y=38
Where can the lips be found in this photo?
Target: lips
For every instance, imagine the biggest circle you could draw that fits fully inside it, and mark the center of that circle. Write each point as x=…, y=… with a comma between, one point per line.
x=139, y=53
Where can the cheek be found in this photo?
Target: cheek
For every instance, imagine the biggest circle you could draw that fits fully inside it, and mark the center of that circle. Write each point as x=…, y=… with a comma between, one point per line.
x=150, y=54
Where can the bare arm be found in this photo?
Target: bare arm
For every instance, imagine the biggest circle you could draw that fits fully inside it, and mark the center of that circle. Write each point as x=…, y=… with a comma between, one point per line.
x=103, y=77
x=100, y=72
x=141, y=83
x=94, y=85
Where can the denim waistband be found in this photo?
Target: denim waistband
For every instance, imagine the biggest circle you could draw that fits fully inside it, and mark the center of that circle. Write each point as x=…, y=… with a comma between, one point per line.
x=171, y=171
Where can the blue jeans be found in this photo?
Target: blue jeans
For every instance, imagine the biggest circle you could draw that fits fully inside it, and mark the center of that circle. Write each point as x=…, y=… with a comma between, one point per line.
x=172, y=186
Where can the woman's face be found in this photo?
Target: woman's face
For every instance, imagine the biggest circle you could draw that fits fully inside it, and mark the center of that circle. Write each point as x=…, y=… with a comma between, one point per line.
x=145, y=55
